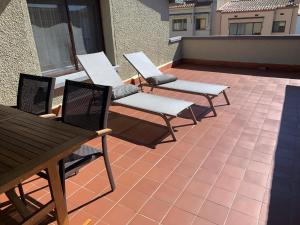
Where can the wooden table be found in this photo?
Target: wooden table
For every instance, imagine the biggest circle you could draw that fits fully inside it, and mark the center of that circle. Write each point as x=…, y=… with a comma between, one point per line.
x=30, y=144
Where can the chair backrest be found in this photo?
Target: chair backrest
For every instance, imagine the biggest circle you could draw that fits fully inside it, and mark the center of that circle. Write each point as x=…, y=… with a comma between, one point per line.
x=143, y=64
x=86, y=105
x=99, y=69
x=35, y=94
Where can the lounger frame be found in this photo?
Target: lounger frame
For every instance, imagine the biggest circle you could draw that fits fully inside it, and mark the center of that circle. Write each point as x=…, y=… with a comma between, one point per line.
x=167, y=118
x=207, y=96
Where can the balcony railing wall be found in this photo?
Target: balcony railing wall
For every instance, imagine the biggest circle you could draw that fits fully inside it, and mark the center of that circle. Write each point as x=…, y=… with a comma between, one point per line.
x=278, y=52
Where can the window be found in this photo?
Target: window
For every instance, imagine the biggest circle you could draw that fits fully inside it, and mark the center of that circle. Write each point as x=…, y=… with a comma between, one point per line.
x=201, y=24
x=179, y=25
x=61, y=31
x=278, y=26
x=245, y=28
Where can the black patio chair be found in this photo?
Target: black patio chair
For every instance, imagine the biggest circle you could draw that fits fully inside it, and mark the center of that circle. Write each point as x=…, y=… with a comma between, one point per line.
x=35, y=94
x=86, y=105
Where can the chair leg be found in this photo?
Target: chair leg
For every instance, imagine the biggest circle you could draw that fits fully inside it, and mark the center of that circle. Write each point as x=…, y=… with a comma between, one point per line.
x=22, y=194
x=107, y=164
x=226, y=98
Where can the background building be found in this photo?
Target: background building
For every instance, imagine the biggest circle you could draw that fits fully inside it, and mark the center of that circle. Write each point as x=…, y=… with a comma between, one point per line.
x=191, y=18
x=247, y=17
x=298, y=23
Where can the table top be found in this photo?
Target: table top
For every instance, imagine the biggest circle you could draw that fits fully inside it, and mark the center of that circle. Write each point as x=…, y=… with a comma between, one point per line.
x=29, y=143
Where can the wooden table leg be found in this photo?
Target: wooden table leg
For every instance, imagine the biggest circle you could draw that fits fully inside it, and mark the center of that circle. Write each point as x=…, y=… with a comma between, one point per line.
x=58, y=196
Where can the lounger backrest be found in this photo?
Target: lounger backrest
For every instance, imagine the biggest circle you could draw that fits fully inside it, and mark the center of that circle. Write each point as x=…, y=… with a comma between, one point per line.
x=99, y=69
x=143, y=64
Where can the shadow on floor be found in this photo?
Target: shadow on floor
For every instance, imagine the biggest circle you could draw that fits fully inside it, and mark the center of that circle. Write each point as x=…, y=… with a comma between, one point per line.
x=199, y=111
x=284, y=204
x=137, y=131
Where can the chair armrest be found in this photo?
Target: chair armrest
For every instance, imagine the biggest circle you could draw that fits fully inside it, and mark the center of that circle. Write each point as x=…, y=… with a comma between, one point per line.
x=48, y=116
x=88, y=222
x=56, y=109
x=104, y=132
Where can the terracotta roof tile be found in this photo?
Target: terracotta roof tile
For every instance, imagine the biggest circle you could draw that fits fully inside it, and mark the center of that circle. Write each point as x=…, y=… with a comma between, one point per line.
x=190, y=4
x=256, y=5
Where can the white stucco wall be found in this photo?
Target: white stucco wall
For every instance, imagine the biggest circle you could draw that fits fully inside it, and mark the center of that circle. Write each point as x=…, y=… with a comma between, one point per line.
x=17, y=48
x=142, y=25
x=248, y=49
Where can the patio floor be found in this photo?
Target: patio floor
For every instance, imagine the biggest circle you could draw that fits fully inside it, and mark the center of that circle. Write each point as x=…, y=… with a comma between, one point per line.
x=239, y=168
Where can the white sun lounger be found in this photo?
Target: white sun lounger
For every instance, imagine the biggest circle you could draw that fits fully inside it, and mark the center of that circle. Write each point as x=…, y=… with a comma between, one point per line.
x=147, y=69
x=101, y=72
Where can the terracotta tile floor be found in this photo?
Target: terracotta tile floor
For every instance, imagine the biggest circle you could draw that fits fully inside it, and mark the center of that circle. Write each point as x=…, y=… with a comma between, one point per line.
x=238, y=168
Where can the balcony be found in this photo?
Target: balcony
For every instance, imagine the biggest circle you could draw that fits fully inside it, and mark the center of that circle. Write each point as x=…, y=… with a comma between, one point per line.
x=240, y=167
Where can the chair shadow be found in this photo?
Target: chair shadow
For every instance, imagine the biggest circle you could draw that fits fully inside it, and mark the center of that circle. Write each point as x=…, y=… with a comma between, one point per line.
x=137, y=131
x=34, y=205
x=284, y=205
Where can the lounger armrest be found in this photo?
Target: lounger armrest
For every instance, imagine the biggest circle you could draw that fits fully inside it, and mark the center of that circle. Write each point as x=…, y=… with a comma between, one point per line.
x=104, y=132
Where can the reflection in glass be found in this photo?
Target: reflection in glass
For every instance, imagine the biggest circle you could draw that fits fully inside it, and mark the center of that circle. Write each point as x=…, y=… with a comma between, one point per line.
x=50, y=29
x=85, y=20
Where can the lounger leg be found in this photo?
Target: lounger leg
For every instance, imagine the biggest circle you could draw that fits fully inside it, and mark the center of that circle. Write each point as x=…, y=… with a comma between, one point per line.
x=211, y=105
x=169, y=126
x=193, y=115
x=226, y=98
x=107, y=164
x=141, y=85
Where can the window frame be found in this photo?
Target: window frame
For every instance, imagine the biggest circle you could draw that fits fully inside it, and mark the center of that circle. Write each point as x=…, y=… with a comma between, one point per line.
x=278, y=31
x=182, y=19
x=238, y=25
x=199, y=19
x=76, y=67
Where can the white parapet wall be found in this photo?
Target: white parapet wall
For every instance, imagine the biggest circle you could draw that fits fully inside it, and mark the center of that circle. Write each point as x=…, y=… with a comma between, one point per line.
x=269, y=50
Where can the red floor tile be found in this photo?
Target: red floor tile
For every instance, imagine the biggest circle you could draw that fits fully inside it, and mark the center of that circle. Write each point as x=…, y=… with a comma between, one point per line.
x=213, y=212
x=238, y=166
x=155, y=209
x=221, y=197
x=178, y=217
x=119, y=215
x=247, y=206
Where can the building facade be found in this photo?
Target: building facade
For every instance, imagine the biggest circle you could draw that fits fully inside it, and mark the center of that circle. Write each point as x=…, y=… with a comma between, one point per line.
x=247, y=17
x=192, y=18
x=42, y=37
x=298, y=23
